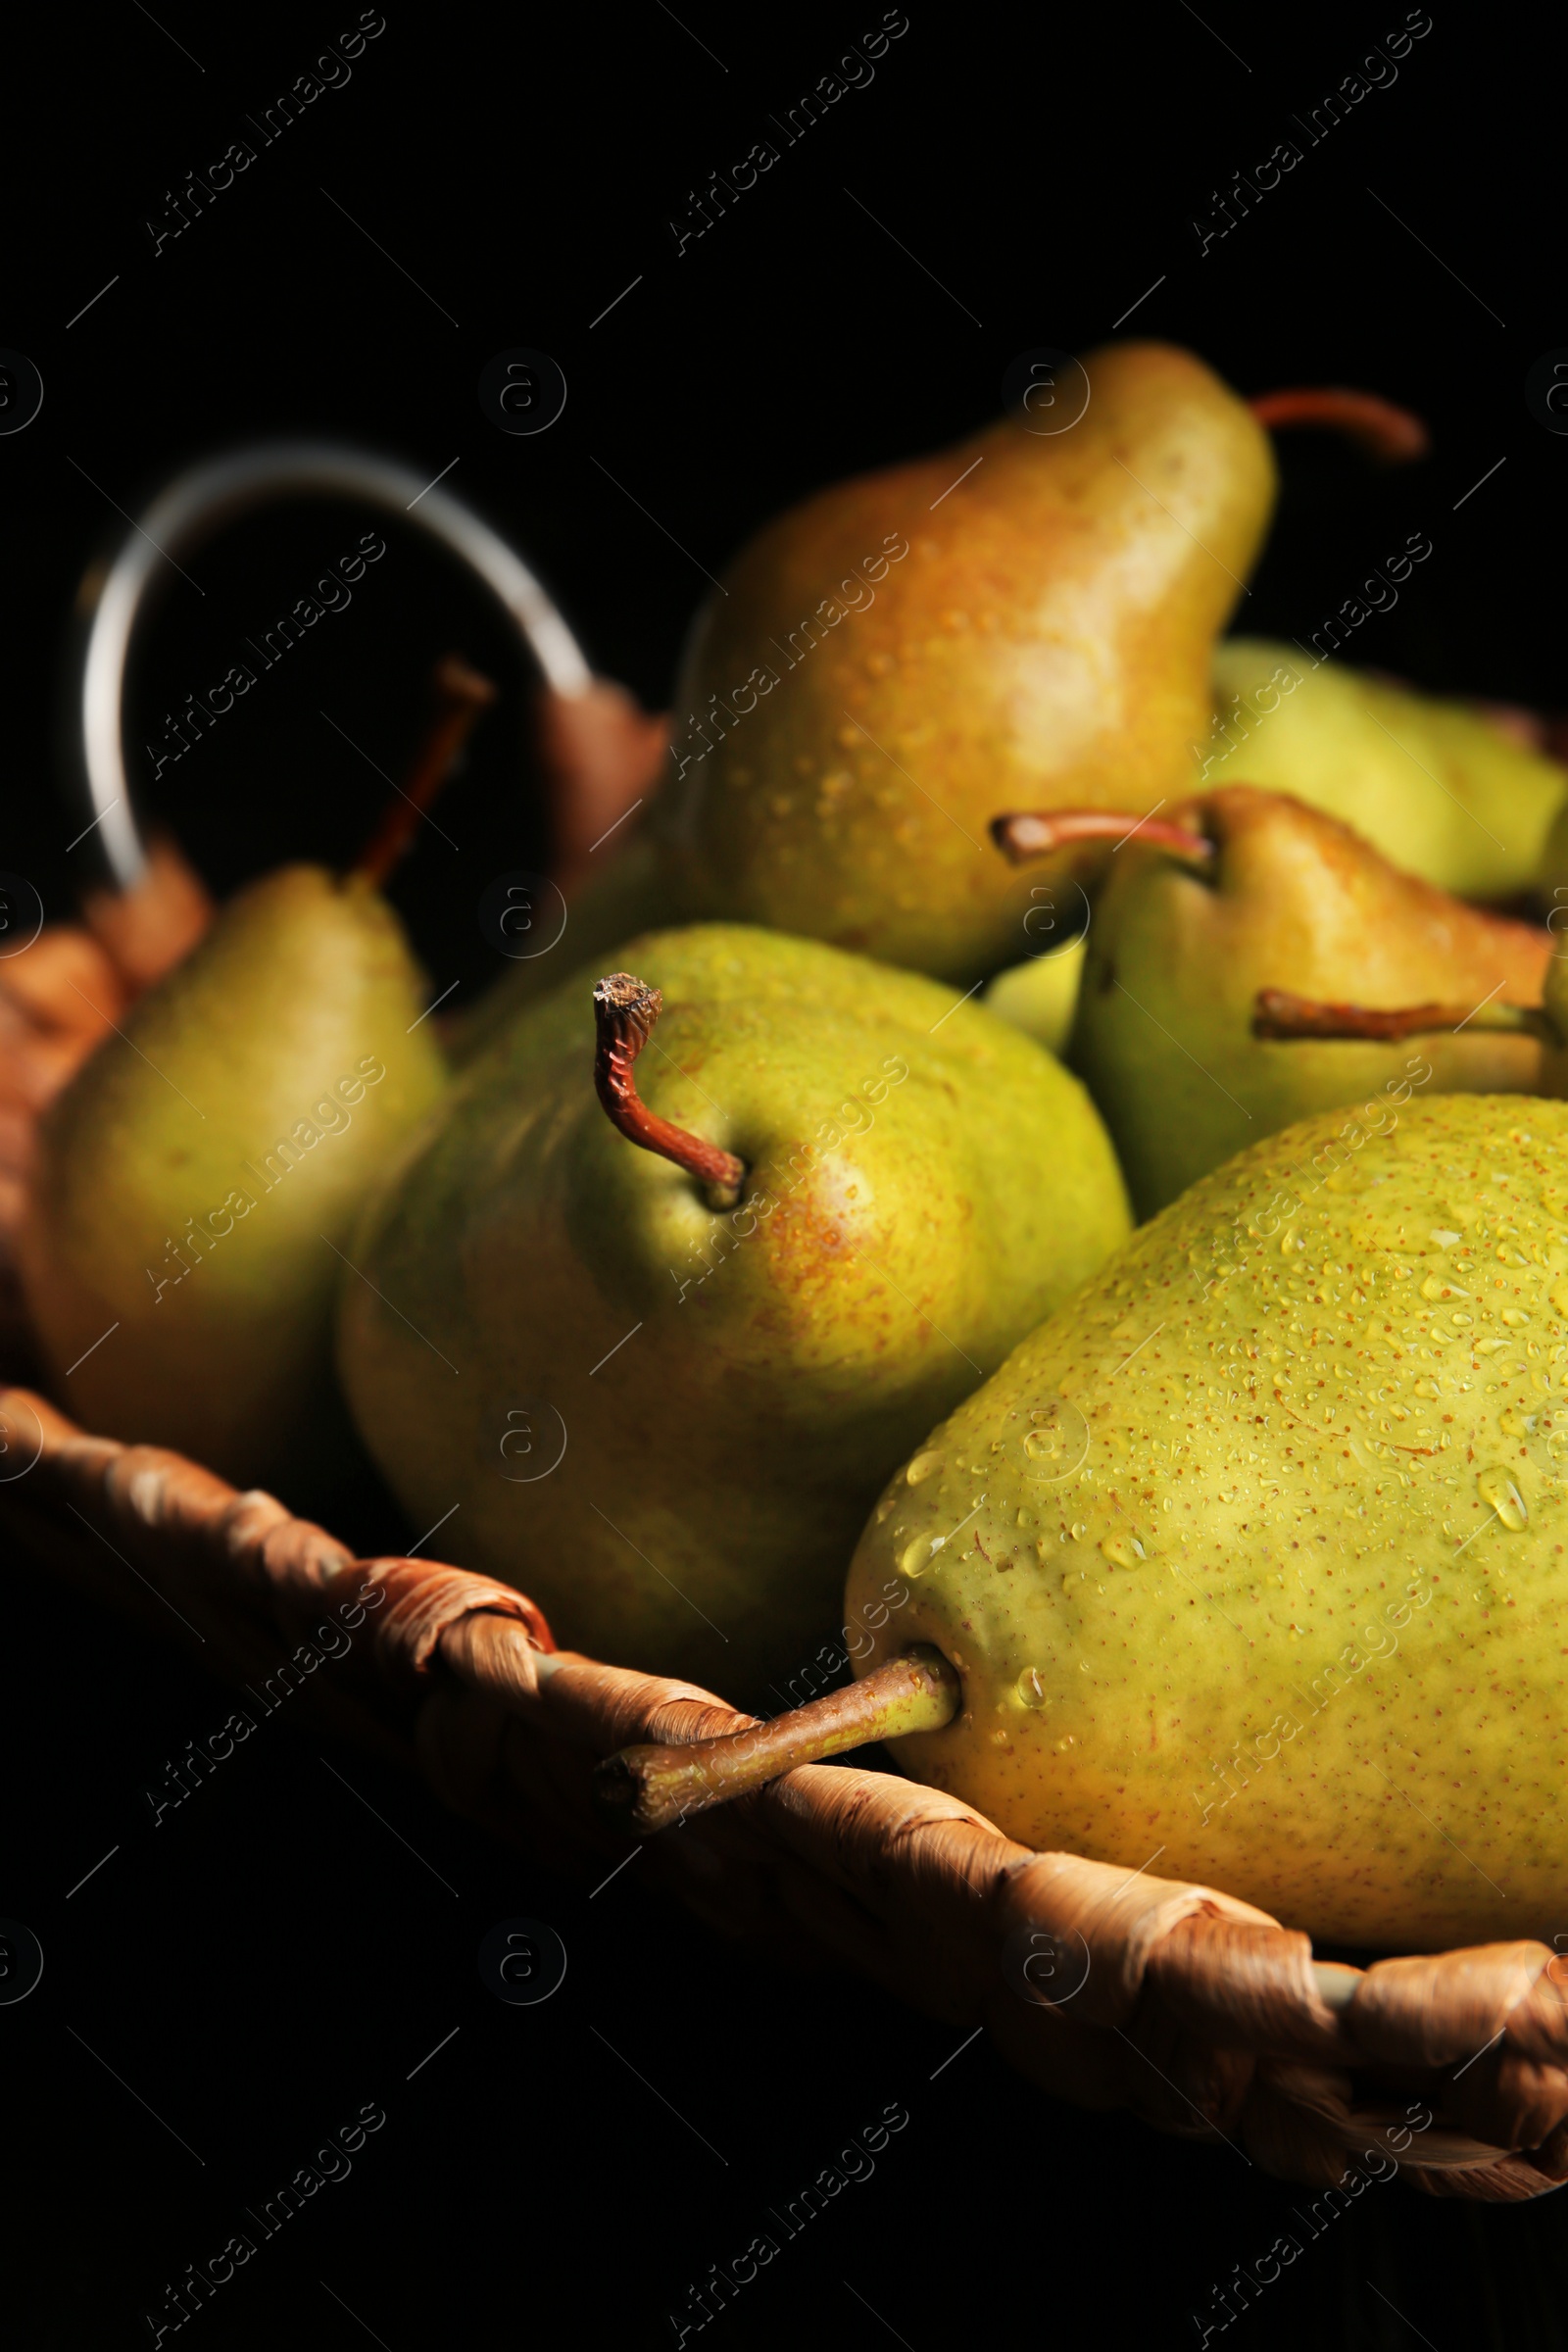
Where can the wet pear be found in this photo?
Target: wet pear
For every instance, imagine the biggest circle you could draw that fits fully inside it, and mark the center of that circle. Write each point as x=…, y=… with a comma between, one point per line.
x=1437, y=786
x=1253, y=1556
x=659, y=1388
x=199, y=1176
x=1241, y=895
x=1024, y=620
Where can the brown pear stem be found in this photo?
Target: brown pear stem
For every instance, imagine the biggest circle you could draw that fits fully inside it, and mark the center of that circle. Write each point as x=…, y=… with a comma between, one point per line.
x=1036, y=833
x=646, y=1788
x=1277, y=1013
x=1394, y=435
x=626, y=1009
x=462, y=694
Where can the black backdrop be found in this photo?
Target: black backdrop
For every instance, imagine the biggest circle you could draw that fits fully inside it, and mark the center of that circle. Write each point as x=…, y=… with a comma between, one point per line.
x=273, y=1956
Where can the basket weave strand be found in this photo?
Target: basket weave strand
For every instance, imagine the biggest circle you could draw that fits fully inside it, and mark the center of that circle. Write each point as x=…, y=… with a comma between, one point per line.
x=1195, y=2011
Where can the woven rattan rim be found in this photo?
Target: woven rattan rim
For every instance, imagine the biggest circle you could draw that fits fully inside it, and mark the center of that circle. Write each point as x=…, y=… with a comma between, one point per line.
x=1199, y=2013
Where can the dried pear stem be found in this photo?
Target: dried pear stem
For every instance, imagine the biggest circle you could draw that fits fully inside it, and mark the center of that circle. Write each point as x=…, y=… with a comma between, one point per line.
x=1277, y=1013
x=626, y=1009
x=647, y=1788
x=462, y=694
x=1386, y=431
x=1036, y=833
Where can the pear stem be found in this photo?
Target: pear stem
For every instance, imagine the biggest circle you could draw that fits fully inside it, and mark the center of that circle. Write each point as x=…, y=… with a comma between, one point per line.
x=462, y=694
x=1036, y=833
x=1393, y=434
x=1277, y=1013
x=646, y=1788
x=626, y=1009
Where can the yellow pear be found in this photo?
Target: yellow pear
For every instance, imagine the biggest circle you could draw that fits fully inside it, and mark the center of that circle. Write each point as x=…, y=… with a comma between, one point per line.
x=1026, y=618
x=1437, y=786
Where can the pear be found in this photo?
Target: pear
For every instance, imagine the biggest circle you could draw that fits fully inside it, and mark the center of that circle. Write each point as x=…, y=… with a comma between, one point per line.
x=224, y=1137
x=661, y=1387
x=1439, y=787
x=1249, y=1564
x=1299, y=1613
x=1024, y=620
x=1239, y=893
x=197, y=1180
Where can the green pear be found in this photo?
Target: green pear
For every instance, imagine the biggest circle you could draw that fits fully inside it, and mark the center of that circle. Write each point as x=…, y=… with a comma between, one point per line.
x=1026, y=619
x=1241, y=894
x=1252, y=1562
x=659, y=1388
x=1437, y=786
x=198, y=1177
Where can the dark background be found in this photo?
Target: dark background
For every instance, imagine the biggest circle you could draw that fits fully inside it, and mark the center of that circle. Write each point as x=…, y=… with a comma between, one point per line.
x=271, y=1958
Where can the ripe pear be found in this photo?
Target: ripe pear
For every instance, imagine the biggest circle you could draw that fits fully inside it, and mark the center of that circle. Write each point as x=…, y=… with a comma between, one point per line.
x=659, y=1388
x=1242, y=891
x=1025, y=619
x=197, y=1179
x=1253, y=1560
x=1437, y=786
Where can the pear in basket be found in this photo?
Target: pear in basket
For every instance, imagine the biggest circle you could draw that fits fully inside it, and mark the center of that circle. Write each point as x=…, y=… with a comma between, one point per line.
x=1024, y=620
x=1253, y=1558
x=194, y=1185
x=658, y=1387
x=1239, y=892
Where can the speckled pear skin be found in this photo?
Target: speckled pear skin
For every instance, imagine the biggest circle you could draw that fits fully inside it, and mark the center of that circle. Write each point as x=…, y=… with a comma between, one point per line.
x=1434, y=785
x=198, y=1174
x=1294, y=900
x=1044, y=642
x=733, y=1388
x=1297, y=1623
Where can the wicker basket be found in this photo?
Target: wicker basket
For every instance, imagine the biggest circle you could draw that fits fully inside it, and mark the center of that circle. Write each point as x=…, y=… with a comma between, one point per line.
x=1199, y=2013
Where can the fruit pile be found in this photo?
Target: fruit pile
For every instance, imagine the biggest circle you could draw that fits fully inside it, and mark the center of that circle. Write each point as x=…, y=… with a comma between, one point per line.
x=754, y=1279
